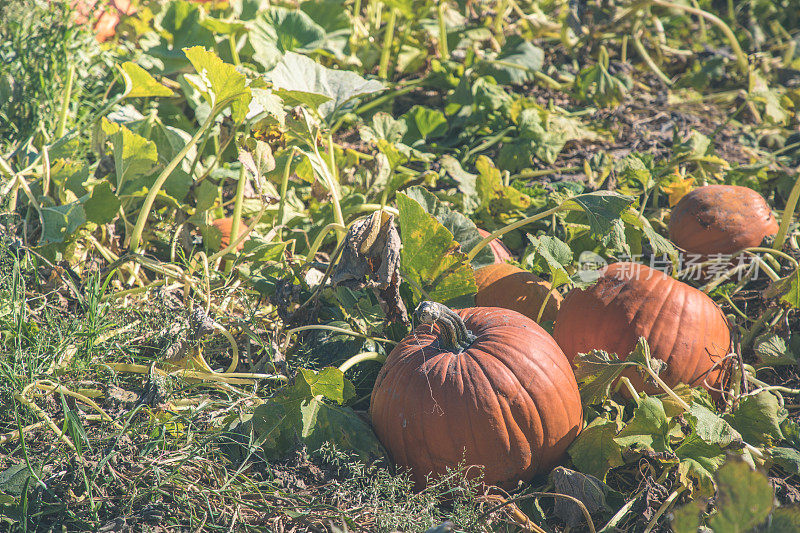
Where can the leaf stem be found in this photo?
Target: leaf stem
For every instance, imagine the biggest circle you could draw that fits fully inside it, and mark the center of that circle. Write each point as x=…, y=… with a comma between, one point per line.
x=640, y=49
x=360, y=358
x=788, y=213
x=237, y=211
x=321, y=237
x=444, y=52
x=284, y=188
x=336, y=329
x=664, y=506
x=136, y=235
x=386, y=51
x=741, y=58
x=234, y=51
x=511, y=227
x=62, y=117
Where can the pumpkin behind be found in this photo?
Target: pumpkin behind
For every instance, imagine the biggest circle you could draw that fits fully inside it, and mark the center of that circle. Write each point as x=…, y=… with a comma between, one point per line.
x=721, y=219
x=683, y=326
x=225, y=225
x=500, y=250
x=504, y=285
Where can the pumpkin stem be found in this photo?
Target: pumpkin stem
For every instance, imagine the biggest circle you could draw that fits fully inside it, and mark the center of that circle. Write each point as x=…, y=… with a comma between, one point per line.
x=455, y=335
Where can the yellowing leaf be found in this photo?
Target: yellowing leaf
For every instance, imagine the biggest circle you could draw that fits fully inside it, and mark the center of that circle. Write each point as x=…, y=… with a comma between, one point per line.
x=194, y=360
x=678, y=188
x=138, y=83
x=224, y=85
x=162, y=418
x=134, y=156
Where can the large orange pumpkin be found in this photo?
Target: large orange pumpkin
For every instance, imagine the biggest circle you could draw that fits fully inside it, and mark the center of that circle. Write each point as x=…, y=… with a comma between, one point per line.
x=721, y=219
x=485, y=386
x=683, y=326
x=500, y=250
x=504, y=285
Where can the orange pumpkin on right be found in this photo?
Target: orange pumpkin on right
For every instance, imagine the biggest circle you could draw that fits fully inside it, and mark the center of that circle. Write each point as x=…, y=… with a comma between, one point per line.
x=683, y=326
x=721, y=219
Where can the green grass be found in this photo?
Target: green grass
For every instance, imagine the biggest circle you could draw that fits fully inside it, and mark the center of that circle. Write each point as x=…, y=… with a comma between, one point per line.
x=168, y=464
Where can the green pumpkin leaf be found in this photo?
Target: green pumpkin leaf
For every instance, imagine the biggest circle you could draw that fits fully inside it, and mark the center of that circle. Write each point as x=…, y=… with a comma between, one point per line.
x=298, y=414
x=224, y=86
x=180, y=27
x=134, y=156
x=603, y=210
x=596, y=372
x=223, y=27
x=14, y=479
x=425, y=123
x=463, y=229
x=431, y=259
x=328, y=382
x=551, y=255
x=658, y=243
x=496, y=197
x=786, y=458
x=698, y=460
x=206, y=195
x=140, y=84
x=772, y=349
x=102, y=205
x=169, y=141
x=711, y=427
x=516, y=62
x=60, y=222
x=332, y=15
x=649, y=427
x=744, y=498
x=547, y=142
x=792, y=296
x=264, y=101
x=298, y=79
x=465, y=181
x=280, y=30
x=385, y=127
x=757, y=418
x=595, y=451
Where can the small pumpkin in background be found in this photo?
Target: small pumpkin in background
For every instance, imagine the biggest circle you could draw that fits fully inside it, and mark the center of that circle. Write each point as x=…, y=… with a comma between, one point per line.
x=682, y=326
x=721, y=219
x=105, y=15
x=485, y=386
x=500, y=250
x=505, y=285
x=225, y=225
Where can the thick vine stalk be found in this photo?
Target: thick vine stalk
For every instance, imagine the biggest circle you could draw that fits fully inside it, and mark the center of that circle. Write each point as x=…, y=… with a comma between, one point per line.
x=144, y=213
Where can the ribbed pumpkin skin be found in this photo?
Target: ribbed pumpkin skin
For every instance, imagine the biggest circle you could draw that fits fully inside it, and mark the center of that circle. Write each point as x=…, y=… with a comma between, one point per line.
x=683, y=326
x=510, y=287
x=510, y=400
x=500, y=250
x=721, y=219
x=225, y=225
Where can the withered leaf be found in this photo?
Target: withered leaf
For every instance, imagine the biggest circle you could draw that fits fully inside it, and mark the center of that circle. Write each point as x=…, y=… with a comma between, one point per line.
x=588, y=489
x=371, y=259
